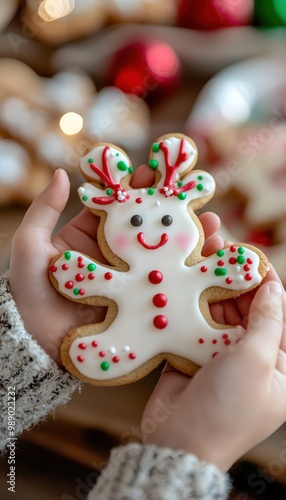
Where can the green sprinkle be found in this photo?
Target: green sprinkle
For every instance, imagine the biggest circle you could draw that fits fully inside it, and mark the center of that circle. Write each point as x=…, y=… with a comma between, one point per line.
x=155, y=147
x=240, y=259
x=220, y=271
x=151, y=191
x=109, y=191
x=130, y=170
x=200, y=177
x=76, y=291
x=240, y=250
x=200, y=187
x=104, y=366
x=220, y=253
x=180, y=184
x=153, y=164
x=117, y=154
x=67, y=255
x=182, y=196
x=91, y=267
x=121, y=165
x=85, y=198
x=90, y=160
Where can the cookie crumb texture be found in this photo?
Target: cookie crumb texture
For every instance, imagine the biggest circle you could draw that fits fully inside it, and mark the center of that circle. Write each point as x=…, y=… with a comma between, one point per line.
x=157, y=286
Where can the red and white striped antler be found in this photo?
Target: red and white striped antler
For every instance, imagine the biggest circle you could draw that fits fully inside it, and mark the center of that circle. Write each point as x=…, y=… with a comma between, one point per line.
x=169, y=187
x=109, y=166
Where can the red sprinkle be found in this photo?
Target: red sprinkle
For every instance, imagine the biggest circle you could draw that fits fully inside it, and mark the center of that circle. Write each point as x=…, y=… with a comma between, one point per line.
x=65, y=267
x=228, y=280
x=201, y=341
x=160, y=300
x=102, y=354
x=246, y=267
x=115, y=359
x=220, y=263
x=82, y=345
x=233, y=248
x=214, y=341
x=80, y=359
x=204, y=269
x=94, y=343
x=132, y=355
x=138, y=200
x=82, y=291
x=227, y=342
x=69, y=285
x=249, y=260
x=225, y=336
x=80, y=265
x=53, y=269
x=248, y=277
x=79, y=277
x=91, y=276
x=232, y=260
x=108, y=276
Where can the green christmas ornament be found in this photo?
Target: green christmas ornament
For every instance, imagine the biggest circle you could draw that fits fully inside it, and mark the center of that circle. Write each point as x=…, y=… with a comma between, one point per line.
x=270, y=13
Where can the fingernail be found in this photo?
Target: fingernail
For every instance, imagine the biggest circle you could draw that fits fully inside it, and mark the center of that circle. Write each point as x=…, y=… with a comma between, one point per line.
x=275, y=288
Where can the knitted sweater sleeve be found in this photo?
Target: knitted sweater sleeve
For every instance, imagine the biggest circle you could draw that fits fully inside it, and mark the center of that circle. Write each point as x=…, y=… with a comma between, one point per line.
x=26, y=373
x=146, y=472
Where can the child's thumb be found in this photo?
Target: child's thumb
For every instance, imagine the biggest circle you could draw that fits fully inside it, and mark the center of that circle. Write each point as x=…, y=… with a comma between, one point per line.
x=47, y=207
x=265, y=323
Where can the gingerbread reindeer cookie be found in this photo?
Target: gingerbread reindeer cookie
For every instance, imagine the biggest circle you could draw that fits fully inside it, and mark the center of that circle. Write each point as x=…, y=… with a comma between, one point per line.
x=157, y=285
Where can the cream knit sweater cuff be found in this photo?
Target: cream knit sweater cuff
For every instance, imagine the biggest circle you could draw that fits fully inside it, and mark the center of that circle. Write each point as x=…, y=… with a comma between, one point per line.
x=38, y=382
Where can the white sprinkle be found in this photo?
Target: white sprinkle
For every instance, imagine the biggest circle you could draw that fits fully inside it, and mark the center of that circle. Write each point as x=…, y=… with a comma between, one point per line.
x=126, y=348
x=81, y=190
x=239, y=278
x=112, y=350
x=238, y=269
x=143, y=190
x=158, y=203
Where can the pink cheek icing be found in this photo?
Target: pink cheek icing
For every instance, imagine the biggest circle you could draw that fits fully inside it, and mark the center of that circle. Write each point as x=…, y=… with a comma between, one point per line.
x=122, y=241
x=183, y=240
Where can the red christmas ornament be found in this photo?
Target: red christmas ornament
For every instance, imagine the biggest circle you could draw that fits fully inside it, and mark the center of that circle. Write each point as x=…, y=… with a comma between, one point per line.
x=145, y=68
x=214, y=14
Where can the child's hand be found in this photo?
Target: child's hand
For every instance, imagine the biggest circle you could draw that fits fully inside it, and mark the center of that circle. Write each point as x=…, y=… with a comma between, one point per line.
x=48, y=316
x=237, y=399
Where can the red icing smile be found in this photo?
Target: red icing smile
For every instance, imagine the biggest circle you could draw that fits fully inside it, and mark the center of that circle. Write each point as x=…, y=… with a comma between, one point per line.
x=163, y=240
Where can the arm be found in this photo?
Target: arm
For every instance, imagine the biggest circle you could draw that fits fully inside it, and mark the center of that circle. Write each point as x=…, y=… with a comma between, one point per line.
x=38, y=382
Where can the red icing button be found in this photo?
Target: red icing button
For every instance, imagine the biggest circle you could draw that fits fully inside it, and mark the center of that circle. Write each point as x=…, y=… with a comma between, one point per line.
x=53, y=269
x=108, y=276
x=160, y=321
x=160, y=300
x=69, y=285
x=155, y=277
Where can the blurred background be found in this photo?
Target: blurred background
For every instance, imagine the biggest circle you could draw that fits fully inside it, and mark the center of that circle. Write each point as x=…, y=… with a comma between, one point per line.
x=75, y=72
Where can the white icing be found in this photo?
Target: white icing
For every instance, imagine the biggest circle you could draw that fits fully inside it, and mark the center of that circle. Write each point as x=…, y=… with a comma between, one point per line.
x=132, y=333
x=14, y=163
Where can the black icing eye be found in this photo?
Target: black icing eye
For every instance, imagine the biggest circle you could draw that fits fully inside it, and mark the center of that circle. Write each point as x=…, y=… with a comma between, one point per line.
x=167, y=220
x=136, y=220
